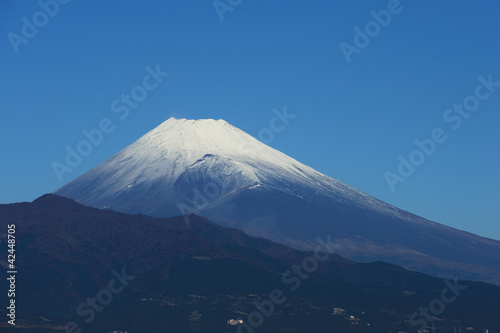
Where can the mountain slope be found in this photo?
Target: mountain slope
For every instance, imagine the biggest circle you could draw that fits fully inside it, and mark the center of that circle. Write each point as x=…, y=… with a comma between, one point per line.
x=213, y=169
x=194, y=277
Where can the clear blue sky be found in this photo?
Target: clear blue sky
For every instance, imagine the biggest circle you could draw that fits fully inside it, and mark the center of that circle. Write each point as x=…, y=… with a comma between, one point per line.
x=353, y=119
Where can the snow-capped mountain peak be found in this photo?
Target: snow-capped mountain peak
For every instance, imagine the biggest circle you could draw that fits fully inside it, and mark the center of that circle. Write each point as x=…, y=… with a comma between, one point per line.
x=214, y=150
x=216, y=170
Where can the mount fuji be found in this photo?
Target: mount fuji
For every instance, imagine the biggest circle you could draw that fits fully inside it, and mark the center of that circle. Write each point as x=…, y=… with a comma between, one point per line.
x=213, y=169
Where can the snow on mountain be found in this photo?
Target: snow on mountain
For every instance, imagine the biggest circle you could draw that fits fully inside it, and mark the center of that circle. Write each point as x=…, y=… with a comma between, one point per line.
x=176, y=146
x=214, y=169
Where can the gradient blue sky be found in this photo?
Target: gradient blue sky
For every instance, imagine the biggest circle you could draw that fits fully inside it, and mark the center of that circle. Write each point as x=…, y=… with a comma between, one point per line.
x=353, y=120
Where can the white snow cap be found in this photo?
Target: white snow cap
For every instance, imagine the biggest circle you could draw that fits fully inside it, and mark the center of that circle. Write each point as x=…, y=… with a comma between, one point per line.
x=184, y=147
x=207, y=136
x=178, y=143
